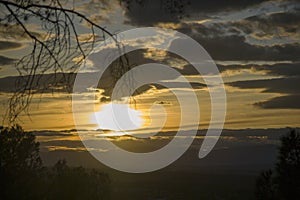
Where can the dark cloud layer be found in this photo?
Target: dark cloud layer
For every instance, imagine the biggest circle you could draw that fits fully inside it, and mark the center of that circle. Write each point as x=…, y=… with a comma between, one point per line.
x=287, y=86
x=276, y=85
x=49, y=83
x=228, y=40
x=287, y=20
x=5, y=45
x=282, y=102
x=221, y=5
x=150, y=12
x=278, y=69
x=235, y=47
x=224, y=40
x=5, y=60
x=269, y=26
x=16, y=33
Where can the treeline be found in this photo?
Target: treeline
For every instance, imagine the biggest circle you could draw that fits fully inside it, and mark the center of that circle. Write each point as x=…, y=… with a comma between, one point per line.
x=23, y=176
x=283, y=182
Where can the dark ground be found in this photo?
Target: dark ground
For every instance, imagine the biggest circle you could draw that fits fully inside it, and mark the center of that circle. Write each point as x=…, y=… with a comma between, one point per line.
x=228, y=172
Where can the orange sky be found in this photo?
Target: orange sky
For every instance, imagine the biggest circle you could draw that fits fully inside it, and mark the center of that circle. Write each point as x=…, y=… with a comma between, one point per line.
x=259, y=65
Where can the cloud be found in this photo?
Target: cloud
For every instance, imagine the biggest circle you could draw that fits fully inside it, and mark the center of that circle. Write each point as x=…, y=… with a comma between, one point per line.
x=47, y=133
x=269, y=36
x=16, y=34
x=284, y=69
x=151, y=12
x=49, y=83
x=163, y=102
x=40, y=83
x=277, y=69
x=235, y=47
x=287, y=20
x=6, y=45
x=276, y=85
x=288, y=86
x=6, y=61
x=207, y=6
x=280, y=26
x=101, y=11
x=290, y=102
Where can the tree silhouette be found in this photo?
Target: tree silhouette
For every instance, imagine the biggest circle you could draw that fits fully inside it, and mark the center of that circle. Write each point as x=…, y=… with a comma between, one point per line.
x=19, y=162
x=65, y=180
x=22, y=175
x=288, y=166
x=265, y=187
x=19, y=151
x=285, y=182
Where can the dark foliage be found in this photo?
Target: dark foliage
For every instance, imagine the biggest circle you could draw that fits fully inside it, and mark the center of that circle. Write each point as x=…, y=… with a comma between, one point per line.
x=19, y=163
x=75, y=183
x=288, y=166
x=265, y=187
x=285, y=182
x=22, y=175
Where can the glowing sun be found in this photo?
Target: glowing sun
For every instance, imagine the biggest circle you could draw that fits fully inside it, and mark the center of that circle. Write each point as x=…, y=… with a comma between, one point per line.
x=117, y=117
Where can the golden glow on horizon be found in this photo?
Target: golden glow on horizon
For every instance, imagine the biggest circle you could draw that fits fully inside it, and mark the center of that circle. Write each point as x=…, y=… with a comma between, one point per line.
x=54, y=112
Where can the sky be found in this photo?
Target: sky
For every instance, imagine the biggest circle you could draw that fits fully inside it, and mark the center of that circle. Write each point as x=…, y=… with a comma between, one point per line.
x=255, y=45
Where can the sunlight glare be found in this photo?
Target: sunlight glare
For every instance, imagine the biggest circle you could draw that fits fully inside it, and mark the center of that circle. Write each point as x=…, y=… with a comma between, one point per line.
x=117, y=117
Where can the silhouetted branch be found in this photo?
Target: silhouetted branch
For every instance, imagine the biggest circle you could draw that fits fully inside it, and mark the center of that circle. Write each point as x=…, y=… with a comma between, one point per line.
x=57, y=49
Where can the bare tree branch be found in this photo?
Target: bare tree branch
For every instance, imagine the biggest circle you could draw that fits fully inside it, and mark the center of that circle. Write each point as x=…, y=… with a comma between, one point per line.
x=58, y=49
